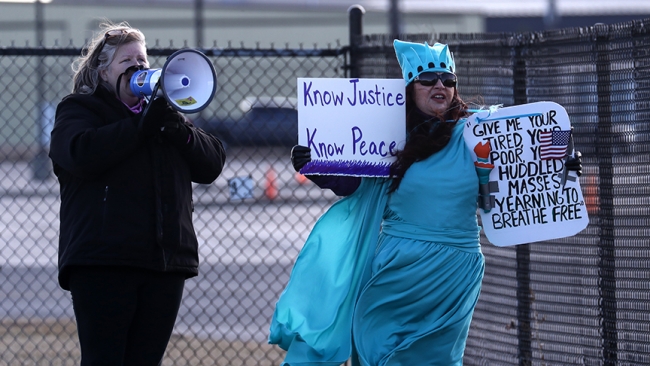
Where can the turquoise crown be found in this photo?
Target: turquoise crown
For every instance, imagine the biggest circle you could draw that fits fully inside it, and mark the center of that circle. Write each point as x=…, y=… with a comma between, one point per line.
x=416, y=58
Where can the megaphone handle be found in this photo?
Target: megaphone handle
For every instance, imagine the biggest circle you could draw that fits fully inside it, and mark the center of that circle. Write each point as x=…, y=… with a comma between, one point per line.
x=146, y=108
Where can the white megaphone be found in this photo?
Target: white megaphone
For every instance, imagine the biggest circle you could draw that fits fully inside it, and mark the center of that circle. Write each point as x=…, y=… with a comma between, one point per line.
x=187, y=81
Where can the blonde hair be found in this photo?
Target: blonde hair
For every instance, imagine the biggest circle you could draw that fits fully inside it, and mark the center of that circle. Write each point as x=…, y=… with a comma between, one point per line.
x=100, y=53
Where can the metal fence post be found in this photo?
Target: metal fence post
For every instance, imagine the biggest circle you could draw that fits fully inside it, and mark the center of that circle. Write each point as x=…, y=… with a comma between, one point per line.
x=607, y=245
x=40, y=163
x=355, y=13
x=355, y=16
x=523, y=251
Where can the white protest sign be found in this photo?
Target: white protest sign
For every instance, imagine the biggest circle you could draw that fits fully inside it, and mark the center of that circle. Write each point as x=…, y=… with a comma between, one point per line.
x=527, y=195
x=353, y=126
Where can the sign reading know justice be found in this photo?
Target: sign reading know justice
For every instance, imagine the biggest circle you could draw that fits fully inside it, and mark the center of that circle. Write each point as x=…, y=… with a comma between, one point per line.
x=527, y=194
x=353, y=126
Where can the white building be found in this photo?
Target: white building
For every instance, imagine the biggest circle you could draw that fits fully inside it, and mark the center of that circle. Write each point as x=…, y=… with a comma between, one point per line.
x=276, y=23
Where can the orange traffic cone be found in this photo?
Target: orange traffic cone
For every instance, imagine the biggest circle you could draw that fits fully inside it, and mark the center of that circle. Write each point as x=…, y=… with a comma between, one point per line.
x=590, y=194
x=301, y=179
x=271, y=187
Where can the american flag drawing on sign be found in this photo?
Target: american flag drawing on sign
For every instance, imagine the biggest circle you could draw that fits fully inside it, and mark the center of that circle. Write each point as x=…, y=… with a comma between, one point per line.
x=553, y=144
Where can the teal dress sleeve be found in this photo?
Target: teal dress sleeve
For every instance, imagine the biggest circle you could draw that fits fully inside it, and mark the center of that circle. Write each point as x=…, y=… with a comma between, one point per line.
x=312, y=320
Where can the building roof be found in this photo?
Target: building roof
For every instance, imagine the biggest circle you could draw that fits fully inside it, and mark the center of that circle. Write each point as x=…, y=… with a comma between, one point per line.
x=490, y=8
x=526, y=8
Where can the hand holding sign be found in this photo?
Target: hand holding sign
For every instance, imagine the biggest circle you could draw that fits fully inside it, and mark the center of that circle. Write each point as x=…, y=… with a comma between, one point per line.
x=526, y=193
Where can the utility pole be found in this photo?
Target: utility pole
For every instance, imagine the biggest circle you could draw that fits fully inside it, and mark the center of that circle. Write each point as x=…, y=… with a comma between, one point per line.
x=198, y=22
x=40, y=27
x=552, y=17
x=394, y=18
x=40, y=162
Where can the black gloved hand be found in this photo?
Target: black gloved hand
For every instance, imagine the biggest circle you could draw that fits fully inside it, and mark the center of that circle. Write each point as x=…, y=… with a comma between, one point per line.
x=175, y=131
x=575, y=163
x=152, y=121
x=300, y=155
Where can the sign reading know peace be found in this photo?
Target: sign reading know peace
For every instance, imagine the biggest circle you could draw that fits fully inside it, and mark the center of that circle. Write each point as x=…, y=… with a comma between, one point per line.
x=353, y=126
x=527, y=195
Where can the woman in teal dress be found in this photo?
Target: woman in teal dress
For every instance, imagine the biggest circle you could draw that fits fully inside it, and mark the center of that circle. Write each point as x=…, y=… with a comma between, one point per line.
x=391, y=274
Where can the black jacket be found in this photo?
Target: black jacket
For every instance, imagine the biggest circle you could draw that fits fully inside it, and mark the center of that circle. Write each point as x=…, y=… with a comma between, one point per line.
x=126, y=200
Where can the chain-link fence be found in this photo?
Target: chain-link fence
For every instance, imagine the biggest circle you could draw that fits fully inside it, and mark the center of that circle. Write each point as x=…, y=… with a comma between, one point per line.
x=583, y=300
x=251, y=222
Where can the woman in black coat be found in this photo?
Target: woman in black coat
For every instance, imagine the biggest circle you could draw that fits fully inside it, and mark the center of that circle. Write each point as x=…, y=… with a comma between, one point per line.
x=127, y=242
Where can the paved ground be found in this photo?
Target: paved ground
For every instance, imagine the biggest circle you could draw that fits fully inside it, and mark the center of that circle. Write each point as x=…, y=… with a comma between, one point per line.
x=247, y=245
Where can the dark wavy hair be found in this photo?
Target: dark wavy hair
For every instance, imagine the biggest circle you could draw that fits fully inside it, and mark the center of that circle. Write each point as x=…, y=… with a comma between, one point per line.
x=425, y=135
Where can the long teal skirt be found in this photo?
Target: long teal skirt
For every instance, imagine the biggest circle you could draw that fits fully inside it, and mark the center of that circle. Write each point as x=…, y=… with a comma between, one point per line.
x=312, y=320
x=417, y=307
x=381, y=301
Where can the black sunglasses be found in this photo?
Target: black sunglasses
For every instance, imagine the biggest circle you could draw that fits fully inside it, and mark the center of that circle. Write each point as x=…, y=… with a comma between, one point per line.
x=113, y=33
x=107, y=35
x=431, y=78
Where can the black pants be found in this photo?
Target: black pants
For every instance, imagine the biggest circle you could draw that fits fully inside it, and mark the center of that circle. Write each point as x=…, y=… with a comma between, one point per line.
x=124, y=316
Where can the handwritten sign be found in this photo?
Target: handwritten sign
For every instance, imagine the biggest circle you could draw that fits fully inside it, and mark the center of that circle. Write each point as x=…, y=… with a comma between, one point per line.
x=527, y=195
x=353, y=126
